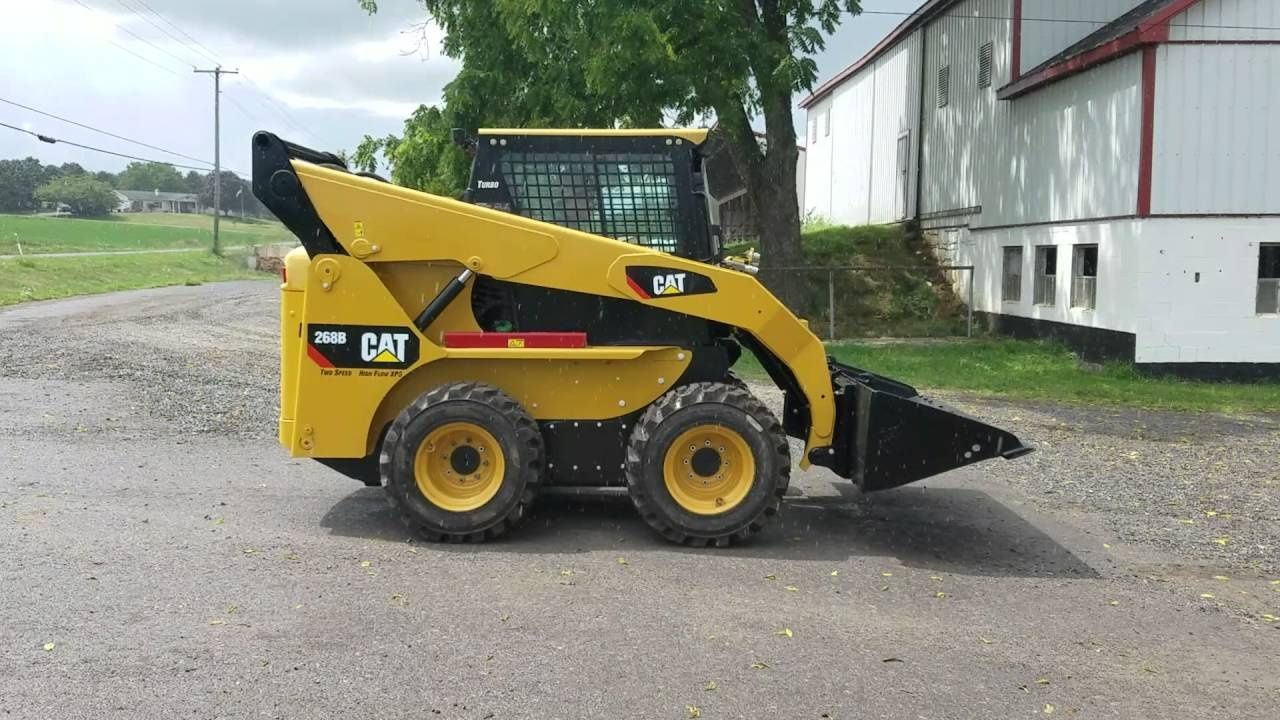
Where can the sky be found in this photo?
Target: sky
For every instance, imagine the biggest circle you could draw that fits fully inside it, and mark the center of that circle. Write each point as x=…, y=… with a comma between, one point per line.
x=318, y=72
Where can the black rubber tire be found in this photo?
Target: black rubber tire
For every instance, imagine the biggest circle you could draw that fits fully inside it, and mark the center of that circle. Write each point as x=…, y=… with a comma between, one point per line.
x=699, y=404
x=517, y=434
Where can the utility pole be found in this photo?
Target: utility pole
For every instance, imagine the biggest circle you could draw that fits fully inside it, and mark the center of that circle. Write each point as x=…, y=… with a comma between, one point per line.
x=217, y=73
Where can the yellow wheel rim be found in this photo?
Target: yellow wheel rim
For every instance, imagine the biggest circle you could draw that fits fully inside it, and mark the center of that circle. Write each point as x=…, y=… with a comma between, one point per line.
x=459, y=466
x=709, y=469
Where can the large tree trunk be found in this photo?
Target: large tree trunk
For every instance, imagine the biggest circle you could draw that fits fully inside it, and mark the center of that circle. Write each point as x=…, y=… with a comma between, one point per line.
x=778, y=223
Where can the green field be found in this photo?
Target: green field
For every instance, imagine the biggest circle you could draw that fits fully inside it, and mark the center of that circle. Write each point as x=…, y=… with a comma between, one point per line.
x=36, y=278
x=1039, y=371
x=34, y=235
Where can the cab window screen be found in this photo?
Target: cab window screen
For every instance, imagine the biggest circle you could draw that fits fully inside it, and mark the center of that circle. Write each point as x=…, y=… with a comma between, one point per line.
x=630, y=197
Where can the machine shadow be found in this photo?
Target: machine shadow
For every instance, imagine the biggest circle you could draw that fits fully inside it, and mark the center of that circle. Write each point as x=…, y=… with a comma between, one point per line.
x=953, y=530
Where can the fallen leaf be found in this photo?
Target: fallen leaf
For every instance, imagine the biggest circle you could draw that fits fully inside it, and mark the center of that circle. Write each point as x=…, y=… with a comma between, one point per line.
x=835, y=573
x=292, y=557
x=892, y=660
x=231, y=609
x=940, y=595
x=399, y=599
x=1187, y=521
x=770, y=577
x=1267, y=617
x=1042, y=681
x=791, y=588
x=1211, y=513
x=694, y=712
x=566, y=573
x=1223, y=541
x=622, y=561
x=1275, y=582
x=1148, y=669
x=250, y=551
x=48, y=647
x=1207, y=596
x=413, y=550
x=218, y=520
x=217, y=622
x=365, y=563
x=710, y=685
x=505, y=617
x=985, y=641
x=883, y=588
x=759, y=666
x=1106, y=545
x=1048, y=709
x=887, y=574
x=298, y=606
x=936, y=578
x=1223, y=578
x=785, y=631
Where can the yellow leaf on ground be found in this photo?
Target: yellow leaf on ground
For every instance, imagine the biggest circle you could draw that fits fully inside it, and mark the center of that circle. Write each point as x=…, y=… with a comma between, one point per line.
x=413, y=550
x=791, y=588
x=694, y=712
x=1223, y=578
x=710, y=685
x=985, y=641
x=1207, y=596
x=1113, y=602
x=940, y=595
x=1106, y=545
x=785, y=631
x=759, y=666
x=298, y=606
x=835, y=573
x=48, y=647
x=770, y=577
x=217, y=622
x=566, y=573
x=1042, y=681
x=365, y=563
x=622, y=561
x=1187, y=521
x=1211, y=513
x=1269, y=618
x=883, y=588
x=1224, y=541
x=936, y=578
x=1275, y=582
x=887, y=574
x=1048, y=709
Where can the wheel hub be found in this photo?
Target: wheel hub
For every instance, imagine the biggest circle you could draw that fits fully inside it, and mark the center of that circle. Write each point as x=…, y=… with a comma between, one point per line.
x=459, y=466
x=709, y=469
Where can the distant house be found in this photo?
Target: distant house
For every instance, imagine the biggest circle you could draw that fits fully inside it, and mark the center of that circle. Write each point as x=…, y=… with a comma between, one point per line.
x=156, y=201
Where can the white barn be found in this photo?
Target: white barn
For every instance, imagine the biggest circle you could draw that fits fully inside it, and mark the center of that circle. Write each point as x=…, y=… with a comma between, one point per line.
x=1110, y=167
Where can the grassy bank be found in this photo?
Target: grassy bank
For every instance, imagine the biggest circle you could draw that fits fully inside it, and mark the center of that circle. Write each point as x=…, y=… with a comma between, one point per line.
x=899, y=292
x=1040, y=371
x=140, y=231
x=35, y=278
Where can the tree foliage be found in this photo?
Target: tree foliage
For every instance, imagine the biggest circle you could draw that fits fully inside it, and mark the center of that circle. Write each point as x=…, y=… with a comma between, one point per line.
x=151, y=176
x=18, y=182
x=580, y=63
x=423, y=157
x=82, y=194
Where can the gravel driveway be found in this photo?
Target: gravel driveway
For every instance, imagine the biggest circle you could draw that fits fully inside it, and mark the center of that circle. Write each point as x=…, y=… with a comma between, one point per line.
x=164, y=557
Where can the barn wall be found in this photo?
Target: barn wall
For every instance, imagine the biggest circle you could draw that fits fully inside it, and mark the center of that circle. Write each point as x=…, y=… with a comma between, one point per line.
x=1216, y=20
x=1051, y=26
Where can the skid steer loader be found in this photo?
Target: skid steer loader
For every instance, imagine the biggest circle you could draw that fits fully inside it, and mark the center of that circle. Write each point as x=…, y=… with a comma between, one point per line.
x=569, y=323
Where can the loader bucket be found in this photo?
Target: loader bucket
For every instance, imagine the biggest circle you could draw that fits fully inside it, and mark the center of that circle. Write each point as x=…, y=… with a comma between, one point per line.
x=887, y=435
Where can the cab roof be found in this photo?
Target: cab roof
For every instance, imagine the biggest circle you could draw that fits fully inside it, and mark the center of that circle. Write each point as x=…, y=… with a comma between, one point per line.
x=696, y=136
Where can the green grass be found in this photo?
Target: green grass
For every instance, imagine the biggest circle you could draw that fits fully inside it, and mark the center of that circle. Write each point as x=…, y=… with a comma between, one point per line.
x=1040, y=371
x=129, y=231
x=36, y=278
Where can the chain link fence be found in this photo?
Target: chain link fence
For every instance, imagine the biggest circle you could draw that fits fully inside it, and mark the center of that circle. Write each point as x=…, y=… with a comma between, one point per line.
x=903, y=301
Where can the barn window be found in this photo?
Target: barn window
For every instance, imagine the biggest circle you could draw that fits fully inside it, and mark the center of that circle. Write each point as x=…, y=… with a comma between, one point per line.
x=1046, y=278
x=1084, y=277
x=826, y=124
x=944, y=86
x=984, y=65
x=813, y=129
x=1269, y=279
x=1011, y=287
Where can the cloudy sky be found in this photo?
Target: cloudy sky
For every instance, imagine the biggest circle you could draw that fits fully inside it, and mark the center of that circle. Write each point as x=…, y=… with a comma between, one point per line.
x=319, y=72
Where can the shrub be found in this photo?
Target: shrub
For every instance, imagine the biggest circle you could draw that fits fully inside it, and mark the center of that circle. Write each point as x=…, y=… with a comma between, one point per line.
x=83, y=195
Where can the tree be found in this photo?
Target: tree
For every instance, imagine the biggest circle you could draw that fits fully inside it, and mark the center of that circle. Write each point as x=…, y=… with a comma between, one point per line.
x=193, y=182
x=424, y=157
x=231, y=183
x=150, y=176
x=634, y=62
x=80, y=193
x=105, y=177
x=18, y=182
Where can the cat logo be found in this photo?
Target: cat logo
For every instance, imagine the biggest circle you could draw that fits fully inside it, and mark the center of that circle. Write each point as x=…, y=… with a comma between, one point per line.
x=670, y=284
x=515, y=342
x=383, y=347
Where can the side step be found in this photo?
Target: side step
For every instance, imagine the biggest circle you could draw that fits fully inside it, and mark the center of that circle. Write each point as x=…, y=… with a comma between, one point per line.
x=887, y=435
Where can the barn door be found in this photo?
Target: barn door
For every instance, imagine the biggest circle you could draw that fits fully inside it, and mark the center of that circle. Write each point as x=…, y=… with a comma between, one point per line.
x=904, y=174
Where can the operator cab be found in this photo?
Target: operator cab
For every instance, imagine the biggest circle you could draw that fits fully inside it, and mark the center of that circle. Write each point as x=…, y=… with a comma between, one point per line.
x=644, y=187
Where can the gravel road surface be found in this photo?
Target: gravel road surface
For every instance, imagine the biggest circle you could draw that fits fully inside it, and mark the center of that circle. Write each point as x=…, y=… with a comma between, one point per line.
x=164, y=558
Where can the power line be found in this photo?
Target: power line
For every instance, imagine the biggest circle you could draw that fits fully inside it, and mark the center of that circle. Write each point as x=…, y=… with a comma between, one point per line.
x=182, y=32
x=900, y=13
x=134, y=34
x=53, y=140
x=136, y=13
x=103, y=132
